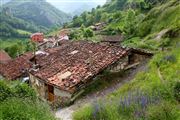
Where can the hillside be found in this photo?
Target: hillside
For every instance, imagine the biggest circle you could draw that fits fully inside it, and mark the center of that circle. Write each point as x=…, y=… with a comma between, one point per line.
x=38, y=12
x=152, y=25
x=15, y=27
x=133, y=19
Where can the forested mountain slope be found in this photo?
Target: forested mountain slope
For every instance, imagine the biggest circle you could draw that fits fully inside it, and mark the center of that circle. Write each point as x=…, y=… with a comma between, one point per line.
x=15, y=27
x=31, y=13
x=136, y=20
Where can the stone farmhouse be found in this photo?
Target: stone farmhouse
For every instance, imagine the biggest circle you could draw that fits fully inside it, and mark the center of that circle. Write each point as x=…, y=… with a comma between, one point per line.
x=60, y=75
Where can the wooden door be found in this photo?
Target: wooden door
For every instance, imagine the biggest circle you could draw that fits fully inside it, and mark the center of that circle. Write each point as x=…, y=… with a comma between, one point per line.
x=50, y=93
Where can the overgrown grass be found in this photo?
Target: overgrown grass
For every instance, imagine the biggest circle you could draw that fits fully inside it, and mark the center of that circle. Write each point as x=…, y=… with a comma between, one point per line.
x=104, y=80
x=159, y=18
x=157, y=98
x=19, y=102
x=23, y=109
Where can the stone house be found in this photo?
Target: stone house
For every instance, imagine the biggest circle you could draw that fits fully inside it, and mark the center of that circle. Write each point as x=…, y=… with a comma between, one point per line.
x=60, y=74
x=67, y=70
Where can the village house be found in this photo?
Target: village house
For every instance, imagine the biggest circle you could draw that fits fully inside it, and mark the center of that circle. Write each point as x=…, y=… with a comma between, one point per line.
x=4, y=57
x=60, y=74
x=64, y=72
x=16, y=69
x=53, y=41
x=37, y=37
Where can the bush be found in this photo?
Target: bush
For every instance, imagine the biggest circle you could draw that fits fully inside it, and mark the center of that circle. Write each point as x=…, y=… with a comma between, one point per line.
x=5, y=91
x=23, y=109
x=24, y=91
x=18, y=102
x=88, y=33
x=16, y=89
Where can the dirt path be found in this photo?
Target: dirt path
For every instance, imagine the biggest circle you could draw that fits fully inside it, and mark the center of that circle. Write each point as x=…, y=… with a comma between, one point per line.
x=66, y=113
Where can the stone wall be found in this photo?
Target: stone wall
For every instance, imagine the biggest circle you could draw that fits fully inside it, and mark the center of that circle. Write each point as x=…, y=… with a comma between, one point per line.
x=135, y=58
x=119, y=65
x=39, y=86
x=61, y=98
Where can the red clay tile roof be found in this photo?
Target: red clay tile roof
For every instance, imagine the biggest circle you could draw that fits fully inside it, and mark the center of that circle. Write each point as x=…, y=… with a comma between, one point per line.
x=69, y=66
x=4, y=57
x=36, y=34
x=74, y=63
x=14, y=69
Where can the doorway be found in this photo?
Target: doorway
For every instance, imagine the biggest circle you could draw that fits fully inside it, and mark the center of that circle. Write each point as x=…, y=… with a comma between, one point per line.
x=50, y=93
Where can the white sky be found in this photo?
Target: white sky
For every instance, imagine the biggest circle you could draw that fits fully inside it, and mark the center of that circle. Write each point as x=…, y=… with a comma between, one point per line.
x=86, y=1
x=71, y=5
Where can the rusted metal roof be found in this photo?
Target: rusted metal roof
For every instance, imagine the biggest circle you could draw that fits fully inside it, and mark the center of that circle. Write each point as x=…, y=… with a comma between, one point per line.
x=73, y=63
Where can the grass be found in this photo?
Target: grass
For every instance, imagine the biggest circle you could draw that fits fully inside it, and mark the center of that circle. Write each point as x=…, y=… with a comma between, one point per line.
x=22, y=109
x=103, y=81
x=23, y=32
x=156, y=96
x=19, y=102
x=159, y=18
x=159, y=85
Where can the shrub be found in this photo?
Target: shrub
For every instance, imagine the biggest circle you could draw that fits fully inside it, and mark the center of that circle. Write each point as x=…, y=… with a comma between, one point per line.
x=5, y=91
x=88, y=33
x=23, y=109
x=18, y=102
x=24, y=91
x=145, y=28
x=16, y=89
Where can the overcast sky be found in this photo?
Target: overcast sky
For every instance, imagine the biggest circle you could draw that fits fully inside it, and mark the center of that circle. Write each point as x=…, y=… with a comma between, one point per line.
x=71, y=5
x=80, y=1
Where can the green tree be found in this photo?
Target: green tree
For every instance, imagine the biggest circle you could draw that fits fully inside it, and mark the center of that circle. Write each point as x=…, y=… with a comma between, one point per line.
x=12, y=50
x=88, y=33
